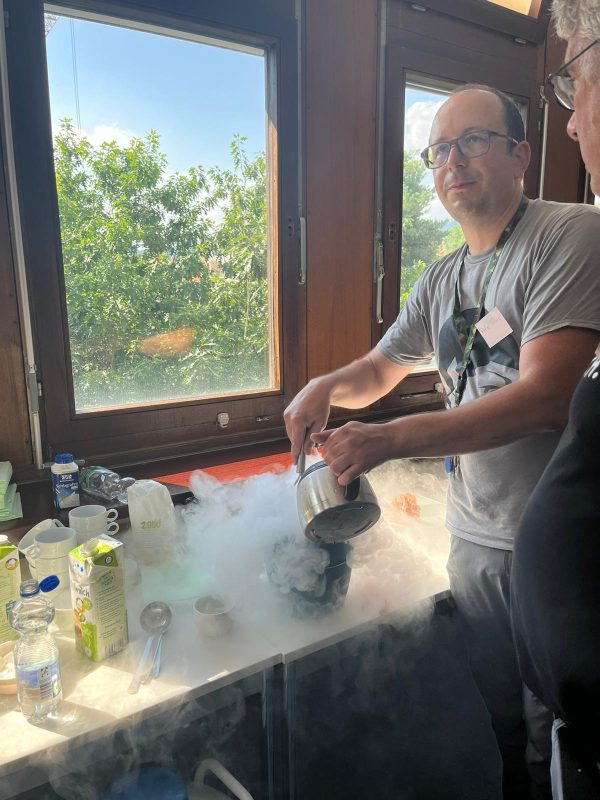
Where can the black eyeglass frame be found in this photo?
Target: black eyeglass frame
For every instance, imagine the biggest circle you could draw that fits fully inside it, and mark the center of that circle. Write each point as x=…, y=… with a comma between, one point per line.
x=560, y=73
x=455, y=143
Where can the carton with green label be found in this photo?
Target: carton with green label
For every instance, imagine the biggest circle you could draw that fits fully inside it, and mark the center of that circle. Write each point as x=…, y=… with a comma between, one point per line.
x=98, y=597
x=10, y=580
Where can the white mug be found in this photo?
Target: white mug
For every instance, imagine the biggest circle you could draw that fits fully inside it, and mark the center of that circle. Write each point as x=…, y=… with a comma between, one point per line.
x=49, y=553
x=90, y=521
x=29, y=538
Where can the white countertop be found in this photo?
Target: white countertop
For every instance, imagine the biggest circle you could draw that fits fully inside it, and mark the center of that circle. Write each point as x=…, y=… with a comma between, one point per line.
x=96, y=700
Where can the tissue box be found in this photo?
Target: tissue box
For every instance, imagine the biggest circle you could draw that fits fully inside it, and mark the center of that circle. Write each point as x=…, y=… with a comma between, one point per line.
x=11, y=508
x=5, y=476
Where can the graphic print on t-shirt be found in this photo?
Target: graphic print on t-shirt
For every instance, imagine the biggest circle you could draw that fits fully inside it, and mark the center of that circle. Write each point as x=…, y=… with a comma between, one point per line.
x=594, y=368
x=488, y=369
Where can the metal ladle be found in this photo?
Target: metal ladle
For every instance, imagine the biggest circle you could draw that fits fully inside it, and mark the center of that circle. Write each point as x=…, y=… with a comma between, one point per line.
x=155, y=619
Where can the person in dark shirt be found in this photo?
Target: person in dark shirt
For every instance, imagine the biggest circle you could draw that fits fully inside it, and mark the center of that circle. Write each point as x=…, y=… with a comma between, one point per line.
x=555, y=582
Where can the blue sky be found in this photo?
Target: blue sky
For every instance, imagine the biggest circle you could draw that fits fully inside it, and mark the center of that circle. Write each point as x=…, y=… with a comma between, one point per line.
x=196, y=96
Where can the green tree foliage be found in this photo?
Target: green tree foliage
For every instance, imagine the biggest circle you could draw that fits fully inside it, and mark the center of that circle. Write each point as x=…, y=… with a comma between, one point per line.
x=452, y=241
x=166, y=273
x=423, y=240
x=148, y=253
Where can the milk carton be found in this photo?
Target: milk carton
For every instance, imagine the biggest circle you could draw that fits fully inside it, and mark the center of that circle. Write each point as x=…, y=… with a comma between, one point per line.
x=98, y=597
x=10, y=580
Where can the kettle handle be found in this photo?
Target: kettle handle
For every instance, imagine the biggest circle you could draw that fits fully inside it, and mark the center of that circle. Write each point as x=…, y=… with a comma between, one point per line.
x=352, y=489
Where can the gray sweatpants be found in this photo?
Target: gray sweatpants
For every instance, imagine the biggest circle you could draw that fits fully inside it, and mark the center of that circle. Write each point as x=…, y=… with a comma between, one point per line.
x=479, y=581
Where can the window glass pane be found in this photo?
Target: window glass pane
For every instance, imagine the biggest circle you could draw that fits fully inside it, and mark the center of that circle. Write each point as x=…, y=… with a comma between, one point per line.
x=161, y=168
x=428, y=231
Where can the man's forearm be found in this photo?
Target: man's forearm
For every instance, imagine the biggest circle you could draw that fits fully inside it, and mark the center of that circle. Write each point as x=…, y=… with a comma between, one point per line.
x=499, y=418
x=359, y=384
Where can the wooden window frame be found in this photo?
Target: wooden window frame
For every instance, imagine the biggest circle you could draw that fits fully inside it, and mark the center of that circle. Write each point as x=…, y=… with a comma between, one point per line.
x=180, y=427
x=501, y=20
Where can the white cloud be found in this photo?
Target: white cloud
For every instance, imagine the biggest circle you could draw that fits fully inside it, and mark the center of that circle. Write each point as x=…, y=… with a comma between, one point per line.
x=417, y=123
x=435, y=210
x=109, y=133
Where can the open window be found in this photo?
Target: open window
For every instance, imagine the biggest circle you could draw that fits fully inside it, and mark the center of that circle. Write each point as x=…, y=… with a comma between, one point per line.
x=156, y=160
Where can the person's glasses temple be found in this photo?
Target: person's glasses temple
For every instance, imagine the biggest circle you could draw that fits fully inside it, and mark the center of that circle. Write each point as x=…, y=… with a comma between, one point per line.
x=565, y=101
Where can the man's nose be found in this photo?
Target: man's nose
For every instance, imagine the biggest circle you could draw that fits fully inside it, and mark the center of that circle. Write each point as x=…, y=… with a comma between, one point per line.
x=455, y=157
x=572, y=127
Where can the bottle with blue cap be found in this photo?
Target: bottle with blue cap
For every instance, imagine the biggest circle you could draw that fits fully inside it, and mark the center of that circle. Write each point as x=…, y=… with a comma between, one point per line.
x=37, y=671
x=65, y=481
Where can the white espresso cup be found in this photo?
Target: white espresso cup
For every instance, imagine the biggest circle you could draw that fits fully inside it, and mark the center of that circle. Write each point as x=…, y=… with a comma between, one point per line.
x=212, y=614
x=90, y=521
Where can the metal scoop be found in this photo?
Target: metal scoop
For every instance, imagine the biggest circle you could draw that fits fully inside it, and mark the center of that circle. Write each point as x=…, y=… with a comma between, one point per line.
x=155, y=620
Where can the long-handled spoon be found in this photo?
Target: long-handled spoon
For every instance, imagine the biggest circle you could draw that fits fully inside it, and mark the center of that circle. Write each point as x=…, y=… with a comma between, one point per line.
x=155, y=620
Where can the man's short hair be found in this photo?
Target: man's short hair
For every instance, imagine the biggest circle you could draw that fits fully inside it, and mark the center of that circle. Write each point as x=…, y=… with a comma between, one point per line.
x=515, y=127
x=577, y=17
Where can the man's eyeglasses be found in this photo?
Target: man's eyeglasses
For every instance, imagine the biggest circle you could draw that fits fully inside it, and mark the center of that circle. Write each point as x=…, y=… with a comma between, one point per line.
x=471, y=145
x=562, y=84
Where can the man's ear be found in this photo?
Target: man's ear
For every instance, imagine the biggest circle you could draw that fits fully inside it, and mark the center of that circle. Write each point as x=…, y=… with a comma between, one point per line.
x=522, y=155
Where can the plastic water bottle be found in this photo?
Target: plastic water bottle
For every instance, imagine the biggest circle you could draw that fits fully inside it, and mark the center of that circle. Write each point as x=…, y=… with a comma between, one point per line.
x=37, y=672
x=65, y=481
x=104, y=483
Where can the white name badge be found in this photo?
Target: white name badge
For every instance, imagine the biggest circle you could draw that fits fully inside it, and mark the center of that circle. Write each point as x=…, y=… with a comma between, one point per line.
x=493, y=327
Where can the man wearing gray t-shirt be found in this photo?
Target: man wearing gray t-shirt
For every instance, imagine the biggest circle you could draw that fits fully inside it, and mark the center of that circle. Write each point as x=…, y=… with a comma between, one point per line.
x=512, y=318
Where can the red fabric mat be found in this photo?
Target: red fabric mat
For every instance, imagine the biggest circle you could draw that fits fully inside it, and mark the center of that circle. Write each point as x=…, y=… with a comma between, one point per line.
x=228, y=473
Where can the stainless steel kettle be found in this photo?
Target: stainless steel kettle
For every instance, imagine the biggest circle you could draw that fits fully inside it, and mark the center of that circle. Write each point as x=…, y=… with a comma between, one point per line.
x=332, y=513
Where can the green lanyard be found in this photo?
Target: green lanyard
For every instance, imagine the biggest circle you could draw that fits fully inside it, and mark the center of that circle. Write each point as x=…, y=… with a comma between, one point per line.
x=466, y=336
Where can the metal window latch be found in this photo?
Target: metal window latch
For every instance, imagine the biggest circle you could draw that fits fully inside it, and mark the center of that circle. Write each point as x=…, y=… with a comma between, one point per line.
x=222, y=419
x=34, y=387
x=378, y=275
x=379, y=271
x=302, y=253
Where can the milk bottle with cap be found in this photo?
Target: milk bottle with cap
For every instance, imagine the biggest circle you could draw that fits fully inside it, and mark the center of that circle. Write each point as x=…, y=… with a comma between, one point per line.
x=65, y=481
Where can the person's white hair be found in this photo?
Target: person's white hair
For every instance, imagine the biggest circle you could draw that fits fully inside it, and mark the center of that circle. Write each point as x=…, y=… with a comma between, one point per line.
x=577, y=18
x=580, y=18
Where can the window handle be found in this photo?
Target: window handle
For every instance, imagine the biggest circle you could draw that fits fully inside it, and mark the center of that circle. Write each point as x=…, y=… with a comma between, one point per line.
x=302, y=267
x=379, y=274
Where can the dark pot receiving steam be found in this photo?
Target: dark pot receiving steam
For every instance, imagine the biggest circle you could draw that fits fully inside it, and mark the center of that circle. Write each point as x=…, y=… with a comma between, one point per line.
x=332, y=513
